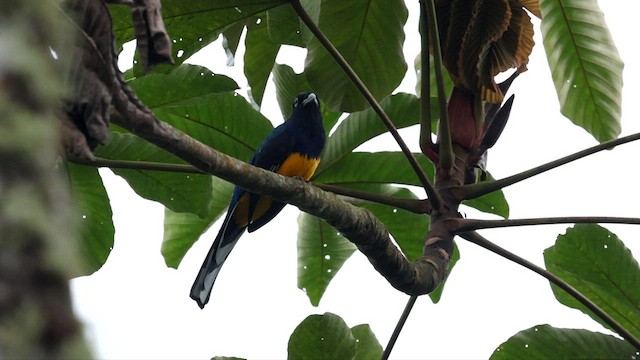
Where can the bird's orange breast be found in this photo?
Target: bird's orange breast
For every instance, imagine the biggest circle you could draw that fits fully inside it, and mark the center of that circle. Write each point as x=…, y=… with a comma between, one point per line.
x=299, y=165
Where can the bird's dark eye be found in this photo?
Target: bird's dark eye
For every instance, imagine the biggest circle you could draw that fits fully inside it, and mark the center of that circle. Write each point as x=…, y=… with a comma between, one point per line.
x=295, y=102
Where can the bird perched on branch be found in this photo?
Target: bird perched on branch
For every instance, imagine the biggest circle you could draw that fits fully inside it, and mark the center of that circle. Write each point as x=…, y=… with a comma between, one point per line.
x=291, y=149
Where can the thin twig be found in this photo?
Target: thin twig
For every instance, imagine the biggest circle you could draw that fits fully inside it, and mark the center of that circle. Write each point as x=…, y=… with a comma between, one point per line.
x=399, y=326
x=478, y=239
x=458, y=225
x=432, y=194
x=138, y=165
x=412, y=205
x=472, y=191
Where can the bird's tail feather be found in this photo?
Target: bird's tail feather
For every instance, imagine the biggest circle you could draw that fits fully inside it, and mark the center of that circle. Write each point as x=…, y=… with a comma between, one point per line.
x=225, y=241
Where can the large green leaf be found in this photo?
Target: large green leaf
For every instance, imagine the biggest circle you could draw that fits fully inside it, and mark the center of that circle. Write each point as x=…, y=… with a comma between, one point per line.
x=596, y=263
x=178, y=191
x=546, y=342
x=181, y=230
x=205, y=106
x=93, y=208
x=284, y=26
x=259, y=57
x=289, y=85
x=378, y=168
x=367, y=345
x=369, y=35
x=585, y=65
x=321, y=337
x=192, y=24
x=403, y=109
x=321, y=254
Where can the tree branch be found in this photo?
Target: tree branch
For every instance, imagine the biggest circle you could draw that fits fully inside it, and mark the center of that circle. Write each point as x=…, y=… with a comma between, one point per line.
x=463, y=225
x=432, y=194
x=472, y=191
x=356, y=224
x=478, y=239
x=415, y=206
x=396, y=331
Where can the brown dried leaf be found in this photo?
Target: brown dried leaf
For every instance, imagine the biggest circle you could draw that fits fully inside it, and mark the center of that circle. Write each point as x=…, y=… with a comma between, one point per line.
x=533, y=6
x=489, y=22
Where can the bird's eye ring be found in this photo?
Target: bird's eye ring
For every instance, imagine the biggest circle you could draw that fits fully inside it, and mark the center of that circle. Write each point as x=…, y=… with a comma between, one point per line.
x=295, y=102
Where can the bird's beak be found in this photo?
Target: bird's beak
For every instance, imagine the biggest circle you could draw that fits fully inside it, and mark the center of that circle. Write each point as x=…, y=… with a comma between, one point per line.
x=309, y=99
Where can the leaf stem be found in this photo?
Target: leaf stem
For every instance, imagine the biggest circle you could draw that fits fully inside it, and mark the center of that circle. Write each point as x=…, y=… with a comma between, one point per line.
x=138, y=165
x=412, y=205
x=426, y=143
x=472, y=191
x=463, y=225
x=446, y=154
x=432, y=194
x=399, y=326
x=478, y=239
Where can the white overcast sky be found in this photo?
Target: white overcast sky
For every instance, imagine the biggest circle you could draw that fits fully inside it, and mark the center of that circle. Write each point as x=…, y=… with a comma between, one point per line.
x=137, y=308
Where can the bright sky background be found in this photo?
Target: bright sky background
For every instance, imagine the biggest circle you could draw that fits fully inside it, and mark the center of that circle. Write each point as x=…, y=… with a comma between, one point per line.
x=137, y=308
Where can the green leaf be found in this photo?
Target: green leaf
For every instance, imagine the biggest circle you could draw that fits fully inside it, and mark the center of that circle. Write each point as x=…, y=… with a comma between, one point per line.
x=403, y=109
x=205, y=106
x=192, y=24
x=367, y=345
x=178, y=191
x=377, y=168
x=320, y=337
x=231, y=40
x=259, y=57
x=183, y=85
x=585, y=65
x=369, y=35
x=284, y=26
x=93, y=208
x=492, y=203
x=546, y=342
x=321, y=254
x=596, y=263
x=289, y=85
x=182, y=230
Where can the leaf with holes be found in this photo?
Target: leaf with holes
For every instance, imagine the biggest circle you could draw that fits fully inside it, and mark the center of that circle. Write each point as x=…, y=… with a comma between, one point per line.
x=192, y=24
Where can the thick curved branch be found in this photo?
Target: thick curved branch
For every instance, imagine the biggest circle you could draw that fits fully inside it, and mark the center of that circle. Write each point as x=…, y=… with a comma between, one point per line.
x=415, y=206
x=462, y=225
x=356, y=224
x=472, y=191
x=434, y=197
x=478, y=239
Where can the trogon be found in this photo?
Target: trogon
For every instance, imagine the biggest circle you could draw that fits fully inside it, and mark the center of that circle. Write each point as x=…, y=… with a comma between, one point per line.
x=291, y=149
